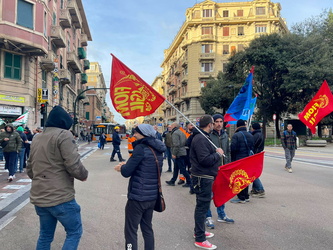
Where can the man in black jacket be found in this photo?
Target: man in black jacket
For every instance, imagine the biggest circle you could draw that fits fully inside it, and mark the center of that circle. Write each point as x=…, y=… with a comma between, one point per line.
x=241, y=145
x=116, y=145
x=205, y=160
x=259, y=144
x=143, y=185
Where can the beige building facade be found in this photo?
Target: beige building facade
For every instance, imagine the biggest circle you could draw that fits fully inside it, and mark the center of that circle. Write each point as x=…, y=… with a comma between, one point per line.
x=211, y=33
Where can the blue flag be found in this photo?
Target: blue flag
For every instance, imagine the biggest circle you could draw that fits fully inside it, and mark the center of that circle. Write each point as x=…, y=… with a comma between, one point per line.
x=252, y=107
x=240, y=108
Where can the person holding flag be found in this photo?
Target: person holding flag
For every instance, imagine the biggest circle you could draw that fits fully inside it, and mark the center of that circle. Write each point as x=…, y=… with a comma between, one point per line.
x=288, y=140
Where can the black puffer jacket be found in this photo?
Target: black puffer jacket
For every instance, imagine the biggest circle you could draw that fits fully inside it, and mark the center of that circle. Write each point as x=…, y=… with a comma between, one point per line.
x=203, y=156
x=238, y=147
x=142, y=168
x=259, y=141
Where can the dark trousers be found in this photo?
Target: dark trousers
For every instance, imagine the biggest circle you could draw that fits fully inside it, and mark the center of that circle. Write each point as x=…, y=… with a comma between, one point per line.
x=10, y=158
x=139, y=212
x=169, y=157
x=116, y=149
x=179, y=166
x=203, y=190
x=244, y=194
x=26, y=156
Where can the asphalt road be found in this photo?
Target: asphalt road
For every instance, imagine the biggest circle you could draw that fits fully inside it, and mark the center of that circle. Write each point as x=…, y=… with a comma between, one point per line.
x=295, y=214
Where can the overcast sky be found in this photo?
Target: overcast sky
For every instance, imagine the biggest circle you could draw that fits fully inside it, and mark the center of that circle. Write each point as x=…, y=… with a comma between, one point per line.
x=138, y=31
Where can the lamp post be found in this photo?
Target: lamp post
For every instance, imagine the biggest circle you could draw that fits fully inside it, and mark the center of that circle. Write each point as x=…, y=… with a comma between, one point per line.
x=79, y=97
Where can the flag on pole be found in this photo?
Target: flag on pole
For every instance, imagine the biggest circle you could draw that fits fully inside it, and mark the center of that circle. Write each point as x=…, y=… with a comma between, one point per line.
x=22, y=119
x=235, y=176
x=131, y=96
x=252, y=107
x=320, y=106
x=240, y=107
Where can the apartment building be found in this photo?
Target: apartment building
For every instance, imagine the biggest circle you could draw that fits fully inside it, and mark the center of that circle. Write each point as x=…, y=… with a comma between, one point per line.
x=211, y=33
x=42, y=57
x=97, y=111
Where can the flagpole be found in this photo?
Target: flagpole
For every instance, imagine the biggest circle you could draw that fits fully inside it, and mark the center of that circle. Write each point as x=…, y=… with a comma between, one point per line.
x=191, y=123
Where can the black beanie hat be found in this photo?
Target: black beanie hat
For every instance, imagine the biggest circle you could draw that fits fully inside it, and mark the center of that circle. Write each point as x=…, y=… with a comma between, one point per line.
x=256, y=126
x=240, y=123
x=218, y=116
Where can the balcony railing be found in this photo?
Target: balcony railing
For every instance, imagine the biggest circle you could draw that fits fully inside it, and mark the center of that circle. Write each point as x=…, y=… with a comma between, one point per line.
x=81, y=53
x=47, y=62
x=75, y=13
x=207, y=56
x=74, y=62
x=207, y=74
x=65, y=18
x=84, y=40
x=208, y=37
x=64, y=76
x=58, y=36
x=84, y=78
x=86, y=64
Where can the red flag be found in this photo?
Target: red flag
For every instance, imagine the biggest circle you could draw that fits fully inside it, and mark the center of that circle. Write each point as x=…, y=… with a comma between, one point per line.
x=131, y=96
x=235, y=176
x=319, y=107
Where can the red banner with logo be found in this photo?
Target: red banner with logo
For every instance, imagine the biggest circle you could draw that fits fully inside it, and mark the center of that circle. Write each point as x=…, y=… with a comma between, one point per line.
x=319, y=107
x=235, y=176
x=131, y=96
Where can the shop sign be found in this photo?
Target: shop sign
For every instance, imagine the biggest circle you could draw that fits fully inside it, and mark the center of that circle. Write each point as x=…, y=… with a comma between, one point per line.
x=42, y=95
x=10, y=110
x=9, y=98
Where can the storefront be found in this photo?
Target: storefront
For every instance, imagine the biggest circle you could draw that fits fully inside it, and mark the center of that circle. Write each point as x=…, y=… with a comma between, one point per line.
x=9, y=113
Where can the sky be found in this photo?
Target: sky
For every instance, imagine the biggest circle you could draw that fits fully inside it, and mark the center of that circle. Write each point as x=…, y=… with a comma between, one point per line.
x=138, y=31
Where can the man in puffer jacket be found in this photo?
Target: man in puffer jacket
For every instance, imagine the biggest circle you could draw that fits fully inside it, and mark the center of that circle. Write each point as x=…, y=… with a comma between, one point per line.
x=142, y=169
x=53, y=164
x=11, y=145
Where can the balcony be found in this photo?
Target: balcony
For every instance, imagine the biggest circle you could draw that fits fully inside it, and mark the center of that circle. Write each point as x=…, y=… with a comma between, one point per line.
x=58, y=36
x=74, y=62
x=65, y=18
x=208, y=37
x=84, y=78
x=207, y=56
x=84, y=40
x=184, y=62
x=81, y=53
x=86, y=64
x=64, y=76
x=75, y=14
x=177, y=100
x=47, y=62
x=82, y=96
x=207, y=74
x=185, y=79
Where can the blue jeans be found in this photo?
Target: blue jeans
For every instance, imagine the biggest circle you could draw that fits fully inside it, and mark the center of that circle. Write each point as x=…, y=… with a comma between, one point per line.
x=10, y=158
x=1, y=154
x=20, y=157
x=179, y=166
x=68, y=213
x=257, y=185
x=289, y=154
x=169, y=157
x=220, y=212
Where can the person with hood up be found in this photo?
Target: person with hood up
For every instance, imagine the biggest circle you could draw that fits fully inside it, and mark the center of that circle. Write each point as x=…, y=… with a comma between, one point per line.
x=21, y=153
x=141, y=167
x=53, y=164
x=11, y=145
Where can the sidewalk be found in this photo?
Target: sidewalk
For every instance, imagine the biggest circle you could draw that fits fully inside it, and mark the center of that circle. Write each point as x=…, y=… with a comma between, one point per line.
x=327, y=149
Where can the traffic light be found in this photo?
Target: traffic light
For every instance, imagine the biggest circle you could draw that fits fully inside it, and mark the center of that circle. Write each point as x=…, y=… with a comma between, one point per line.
x=43, y=108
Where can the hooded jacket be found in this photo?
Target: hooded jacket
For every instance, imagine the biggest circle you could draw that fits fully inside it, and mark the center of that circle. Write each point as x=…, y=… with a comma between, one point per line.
x=239, y=148
x=142, y=168
x=178, y=143
x=54, y=162
x=14, y=144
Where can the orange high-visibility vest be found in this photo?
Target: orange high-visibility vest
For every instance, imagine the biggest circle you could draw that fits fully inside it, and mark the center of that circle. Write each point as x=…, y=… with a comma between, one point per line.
x=185, y=132
x=130, y=140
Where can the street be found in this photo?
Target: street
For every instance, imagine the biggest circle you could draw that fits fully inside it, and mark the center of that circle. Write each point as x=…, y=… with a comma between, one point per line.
x=295, y=214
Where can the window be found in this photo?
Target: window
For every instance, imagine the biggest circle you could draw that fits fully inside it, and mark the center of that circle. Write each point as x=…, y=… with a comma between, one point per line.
x=226, y=13
x=45, y=24
x=260, y=28
x=260, y=11
x=12, y=66
x=207, y=67
x=44, y=79
x=240, y=47
x=61, y=62
x=87, y=115
x=233, y=50
x=207, y=13
x=239, y=12
x=61, y=4
x=225, y=31
x=54, y=19
x=241, y=31
x=224, y=67
x=208, y=30
x=207, y=48
x=203, y=84
x=225, y=49
x=25, y=14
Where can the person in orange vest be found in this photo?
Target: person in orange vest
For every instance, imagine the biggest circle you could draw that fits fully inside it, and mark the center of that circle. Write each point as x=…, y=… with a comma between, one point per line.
x=130, y=140
x=187, y=131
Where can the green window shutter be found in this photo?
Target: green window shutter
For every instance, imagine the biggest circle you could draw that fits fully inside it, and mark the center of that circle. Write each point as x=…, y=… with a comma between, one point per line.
x=81, y=53
x=87, y=115
x=12, y=66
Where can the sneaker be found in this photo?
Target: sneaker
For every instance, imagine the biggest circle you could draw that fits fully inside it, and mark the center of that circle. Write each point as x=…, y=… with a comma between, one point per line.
x=247, y=200
x=205, y=245
x=10, y=178
x=122, y=160
x=225, y=219
x=191, y=191
x=207, y=234
x=210, y=223
x=259, y=194
x=238, y=201
x=170, y=183
x=112, y=159
x=290, y=170
x=186, y=185
x=180, y=182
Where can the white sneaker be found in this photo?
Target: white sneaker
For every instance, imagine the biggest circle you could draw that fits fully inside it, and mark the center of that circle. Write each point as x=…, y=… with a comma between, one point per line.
x=10, y=178
x=290, y=170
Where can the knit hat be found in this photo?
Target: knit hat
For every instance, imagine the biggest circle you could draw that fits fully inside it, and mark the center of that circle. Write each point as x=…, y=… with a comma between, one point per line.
x=218, y=116
x=20, y=129
x=146, y=130
x=256, y=126
x=240, y=123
